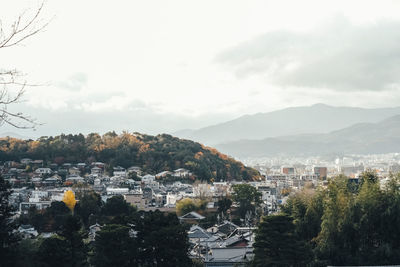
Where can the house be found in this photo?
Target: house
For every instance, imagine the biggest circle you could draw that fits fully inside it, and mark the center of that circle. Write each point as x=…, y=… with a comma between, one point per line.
x=153, y=185
x=229, y=257
x=163, y=174
x=37, y=162
x=135, y=169
x=196, y=233
x=99, y=165
x=37, y=195
x=40, y=205
x=181, y=173
x=74, y=171
x=25, y=161
x=52, y=181
x=269, y=196
x=226, y=228
x=117, y=191
x=148, y=194
x=236, y=241
x=191, y=218
x=81, y=165
x=93, y=229
x=42, y=171
x=202, y=190
x=74, y=179
x=160, y=198
x=136, y=199
x=148, y=178
x=27, y=231
x=96, y=171
x=119, y=171
x=171, y=199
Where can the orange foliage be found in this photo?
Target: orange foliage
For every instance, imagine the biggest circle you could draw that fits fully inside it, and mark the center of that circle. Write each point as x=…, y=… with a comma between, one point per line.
x=198, y=155
x=69, y=200
x=144, y=148
x=33, y=145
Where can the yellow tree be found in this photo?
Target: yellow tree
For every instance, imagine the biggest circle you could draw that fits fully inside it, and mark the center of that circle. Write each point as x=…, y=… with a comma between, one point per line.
x=69, y=200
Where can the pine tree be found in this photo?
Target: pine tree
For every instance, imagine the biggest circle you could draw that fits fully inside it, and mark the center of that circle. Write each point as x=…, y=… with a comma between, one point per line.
x=8, y=240
x=277, y=244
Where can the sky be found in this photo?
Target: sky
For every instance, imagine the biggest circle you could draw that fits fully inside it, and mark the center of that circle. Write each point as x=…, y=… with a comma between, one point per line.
x=162, y=66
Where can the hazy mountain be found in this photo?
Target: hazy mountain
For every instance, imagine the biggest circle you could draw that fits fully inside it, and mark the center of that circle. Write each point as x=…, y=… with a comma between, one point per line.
x=361, y=138
x=318, y=118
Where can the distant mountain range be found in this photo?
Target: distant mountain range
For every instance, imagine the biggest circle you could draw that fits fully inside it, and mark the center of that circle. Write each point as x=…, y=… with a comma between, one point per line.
x=316, y=119
x=360, y=138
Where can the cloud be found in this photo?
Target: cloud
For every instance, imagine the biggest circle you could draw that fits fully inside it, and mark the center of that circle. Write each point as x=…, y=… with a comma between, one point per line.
x=74, y=83
x=337, y=56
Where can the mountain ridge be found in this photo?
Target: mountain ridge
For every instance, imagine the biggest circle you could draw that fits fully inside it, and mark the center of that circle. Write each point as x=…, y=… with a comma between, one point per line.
x=317, y=118
x=360, y=138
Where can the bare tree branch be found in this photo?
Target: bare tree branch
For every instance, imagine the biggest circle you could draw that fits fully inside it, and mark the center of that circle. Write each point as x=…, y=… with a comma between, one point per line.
x=13, y=80
x=21, y=29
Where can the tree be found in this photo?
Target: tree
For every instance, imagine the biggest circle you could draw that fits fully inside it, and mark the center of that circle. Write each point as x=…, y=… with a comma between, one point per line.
x=187, y=205
x=306, y=209
x=277, y=244
x=184, y=206
x=224, y=204
x=12, y=80
x=89, y=205
x=117, y=206
x=8, y=240
x=73, y=234
x=114, y=246
x=53, y=251
x=51, y=219
x=247, y=197
x=69, y=200
x=27, y=253
x=162, y=240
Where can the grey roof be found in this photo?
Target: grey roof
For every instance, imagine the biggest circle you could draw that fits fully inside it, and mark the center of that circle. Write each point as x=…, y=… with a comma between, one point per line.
x=230, y=254
x=197, y=233
x=192, y=215
x=227, y=227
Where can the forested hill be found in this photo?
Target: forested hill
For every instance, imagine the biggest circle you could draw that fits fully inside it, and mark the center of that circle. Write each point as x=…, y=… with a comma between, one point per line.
x=152, y=153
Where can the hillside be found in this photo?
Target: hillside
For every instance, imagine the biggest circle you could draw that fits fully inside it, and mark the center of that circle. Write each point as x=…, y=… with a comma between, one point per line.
x=152, y=153
x=318, y=118
x=361, y=138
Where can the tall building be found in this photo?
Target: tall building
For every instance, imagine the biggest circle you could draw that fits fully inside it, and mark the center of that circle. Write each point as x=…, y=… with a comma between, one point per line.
x=321, y=172
x=288, y=170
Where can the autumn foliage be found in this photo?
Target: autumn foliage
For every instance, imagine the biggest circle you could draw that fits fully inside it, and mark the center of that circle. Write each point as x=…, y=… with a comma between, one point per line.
x=152, y=153
x=69, y=200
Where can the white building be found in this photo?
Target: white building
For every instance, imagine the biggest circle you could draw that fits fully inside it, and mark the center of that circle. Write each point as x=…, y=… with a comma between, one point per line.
x=148, y=178
x=43, y=171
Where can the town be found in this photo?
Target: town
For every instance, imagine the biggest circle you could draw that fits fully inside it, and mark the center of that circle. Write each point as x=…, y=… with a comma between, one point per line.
x=220, y=238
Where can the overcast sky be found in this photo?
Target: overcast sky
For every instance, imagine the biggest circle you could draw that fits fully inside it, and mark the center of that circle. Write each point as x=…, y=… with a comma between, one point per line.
x=162, y=66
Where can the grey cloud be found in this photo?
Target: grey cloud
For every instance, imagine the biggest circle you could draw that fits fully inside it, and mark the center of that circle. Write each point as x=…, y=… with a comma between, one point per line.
x=74, y=83
x=338, y=56
x=98, y=96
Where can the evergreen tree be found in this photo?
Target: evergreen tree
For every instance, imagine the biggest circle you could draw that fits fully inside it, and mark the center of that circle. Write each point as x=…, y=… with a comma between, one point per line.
x=53, y=251
x=115, y=246
x=73, y=235
x=8, y=240
x=162, y=240
x=278, y=245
